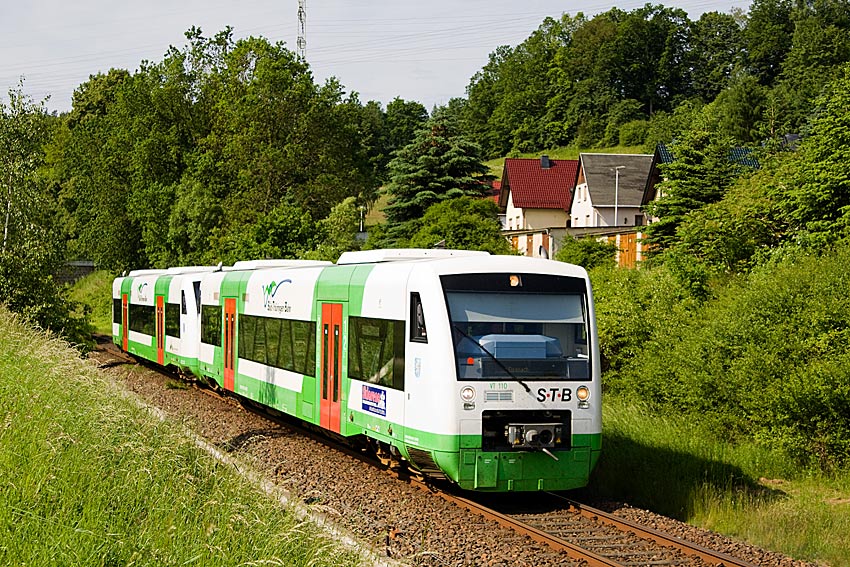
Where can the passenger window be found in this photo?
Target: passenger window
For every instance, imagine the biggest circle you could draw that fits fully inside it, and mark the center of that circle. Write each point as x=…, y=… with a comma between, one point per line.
x=418, y=332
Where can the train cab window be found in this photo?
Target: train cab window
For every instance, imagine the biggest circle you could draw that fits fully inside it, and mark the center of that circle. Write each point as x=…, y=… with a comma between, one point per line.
x=117, y=311
x=534, y=331
x=183, y=303
x=418, y=333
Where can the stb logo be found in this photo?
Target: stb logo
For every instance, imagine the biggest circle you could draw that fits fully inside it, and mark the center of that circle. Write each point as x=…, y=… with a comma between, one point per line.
x=270, y=299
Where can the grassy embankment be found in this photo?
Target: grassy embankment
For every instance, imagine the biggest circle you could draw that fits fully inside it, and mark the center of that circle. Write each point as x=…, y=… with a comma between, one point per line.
x=89, y=478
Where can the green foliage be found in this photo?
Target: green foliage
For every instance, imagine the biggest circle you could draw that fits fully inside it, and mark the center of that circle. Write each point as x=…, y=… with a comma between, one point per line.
x=94, y=293
x=27, y=287
x=818, y=202
x=438, y=164
x=767, y=37
x=403, y=120
x=634, y=133
x=698, y=175
x=179, y=161
x=739, y=110
x=736, y=233
x=635, y=308
x=284, y=232
x=465, y=223
x=32, y=250
x=337, y=233
x=766, y=358
x=718, y=45
x=587, y=252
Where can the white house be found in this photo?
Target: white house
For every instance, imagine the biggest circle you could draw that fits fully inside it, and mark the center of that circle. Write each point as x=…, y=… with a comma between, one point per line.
x=609, y=190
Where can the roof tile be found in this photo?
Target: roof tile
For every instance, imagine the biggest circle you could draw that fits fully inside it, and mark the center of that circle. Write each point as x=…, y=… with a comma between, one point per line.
x=535, y=187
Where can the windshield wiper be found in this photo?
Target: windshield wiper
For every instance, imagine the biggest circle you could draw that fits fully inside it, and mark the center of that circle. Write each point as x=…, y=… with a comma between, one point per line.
x=496, y=360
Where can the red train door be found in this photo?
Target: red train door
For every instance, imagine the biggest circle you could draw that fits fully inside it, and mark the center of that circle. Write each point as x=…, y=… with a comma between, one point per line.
x=124, y=330
x=160, y=329
x=331, y=364
x=229, y=341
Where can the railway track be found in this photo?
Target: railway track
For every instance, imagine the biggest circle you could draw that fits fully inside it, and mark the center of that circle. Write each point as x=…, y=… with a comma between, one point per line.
x=574, y=530
x=601, y=539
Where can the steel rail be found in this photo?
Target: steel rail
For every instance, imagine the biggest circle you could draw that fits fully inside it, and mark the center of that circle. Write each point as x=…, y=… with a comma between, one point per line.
x=554, y=542
x=716, y=558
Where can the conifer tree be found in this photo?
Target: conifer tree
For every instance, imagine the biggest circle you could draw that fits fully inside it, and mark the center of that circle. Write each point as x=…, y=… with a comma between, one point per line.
x=698, y=175
x=438, y=164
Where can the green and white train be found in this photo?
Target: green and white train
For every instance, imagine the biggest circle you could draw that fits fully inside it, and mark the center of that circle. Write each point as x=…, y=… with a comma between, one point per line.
x=461, y=365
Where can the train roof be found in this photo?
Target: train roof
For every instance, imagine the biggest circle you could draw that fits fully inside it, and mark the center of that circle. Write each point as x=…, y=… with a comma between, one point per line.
x=192, y=269
x=135, y=273
x=394, y=255
x=259, y=264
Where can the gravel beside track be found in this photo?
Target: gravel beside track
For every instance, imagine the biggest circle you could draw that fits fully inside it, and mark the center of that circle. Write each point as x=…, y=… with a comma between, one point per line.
x=387, y=514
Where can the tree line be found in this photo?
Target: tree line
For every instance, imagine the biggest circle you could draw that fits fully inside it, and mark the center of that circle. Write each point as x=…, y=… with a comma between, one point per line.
x=637, y=78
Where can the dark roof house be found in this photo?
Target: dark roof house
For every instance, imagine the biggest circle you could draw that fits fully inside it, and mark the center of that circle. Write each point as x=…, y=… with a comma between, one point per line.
x=607, y=174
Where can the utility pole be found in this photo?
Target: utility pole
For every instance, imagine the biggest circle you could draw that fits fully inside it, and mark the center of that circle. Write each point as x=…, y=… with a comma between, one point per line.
x=302, y=31
x=617, y=191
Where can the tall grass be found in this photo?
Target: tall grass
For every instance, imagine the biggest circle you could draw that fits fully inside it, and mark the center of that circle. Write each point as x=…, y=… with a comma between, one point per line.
x=745, y=490
x=89, y=478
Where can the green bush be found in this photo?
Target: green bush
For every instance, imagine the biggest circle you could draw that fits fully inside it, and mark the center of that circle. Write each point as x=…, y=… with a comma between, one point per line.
x=765, y=358
x=634, y=133
x=634, y=309
x=586, y=252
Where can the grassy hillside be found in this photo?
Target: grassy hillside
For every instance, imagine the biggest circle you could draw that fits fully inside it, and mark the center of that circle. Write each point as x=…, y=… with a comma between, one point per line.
x=673, y=466
x=89, y=478
x=497, y=165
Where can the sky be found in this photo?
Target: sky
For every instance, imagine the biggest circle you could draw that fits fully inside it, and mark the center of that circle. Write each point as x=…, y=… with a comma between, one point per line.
x=423, y=50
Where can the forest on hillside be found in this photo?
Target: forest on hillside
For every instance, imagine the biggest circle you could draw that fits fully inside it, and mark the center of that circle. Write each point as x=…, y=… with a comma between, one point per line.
x=228, y=149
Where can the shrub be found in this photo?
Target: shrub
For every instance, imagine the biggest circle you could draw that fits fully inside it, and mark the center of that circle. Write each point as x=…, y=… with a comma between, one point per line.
x=586, y=252
x=766, y=358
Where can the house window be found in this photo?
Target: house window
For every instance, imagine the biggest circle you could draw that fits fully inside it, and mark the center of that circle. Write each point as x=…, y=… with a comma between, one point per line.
x=638, y=220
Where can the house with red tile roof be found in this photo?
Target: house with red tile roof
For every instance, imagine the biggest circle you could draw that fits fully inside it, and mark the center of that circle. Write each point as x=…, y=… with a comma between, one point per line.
x=535, y=201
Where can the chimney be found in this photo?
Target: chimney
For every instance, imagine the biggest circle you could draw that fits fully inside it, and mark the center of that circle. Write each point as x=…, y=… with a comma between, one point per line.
x=544, y=162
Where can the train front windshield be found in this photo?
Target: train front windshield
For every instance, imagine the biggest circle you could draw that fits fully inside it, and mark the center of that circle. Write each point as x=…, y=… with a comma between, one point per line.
x=534, y=330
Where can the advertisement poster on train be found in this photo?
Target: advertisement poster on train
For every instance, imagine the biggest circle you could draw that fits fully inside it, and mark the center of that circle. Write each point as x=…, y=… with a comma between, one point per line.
x=374, y=400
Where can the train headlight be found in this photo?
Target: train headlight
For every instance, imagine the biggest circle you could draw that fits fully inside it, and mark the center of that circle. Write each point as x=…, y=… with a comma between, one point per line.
x=583, y=395
x=467, y=394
